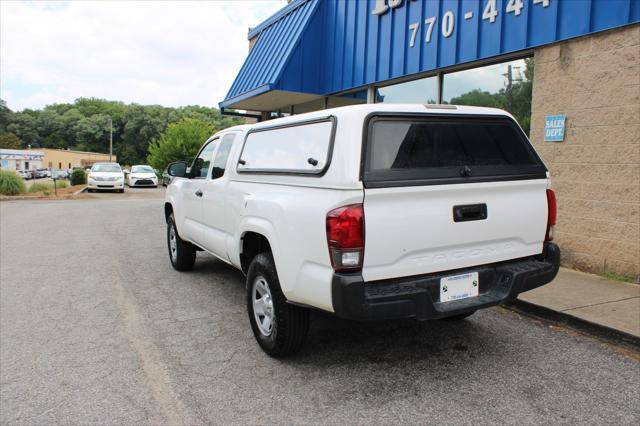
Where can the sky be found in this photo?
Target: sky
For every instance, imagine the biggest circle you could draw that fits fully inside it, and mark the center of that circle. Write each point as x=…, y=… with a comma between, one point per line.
x=148, y=52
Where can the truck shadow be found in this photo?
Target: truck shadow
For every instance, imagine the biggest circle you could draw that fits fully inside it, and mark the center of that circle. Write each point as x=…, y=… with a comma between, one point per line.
x=333, y=340
x=388, y=341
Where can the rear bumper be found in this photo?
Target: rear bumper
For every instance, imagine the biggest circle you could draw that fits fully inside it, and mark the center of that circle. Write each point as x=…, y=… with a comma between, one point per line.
x=418, y=296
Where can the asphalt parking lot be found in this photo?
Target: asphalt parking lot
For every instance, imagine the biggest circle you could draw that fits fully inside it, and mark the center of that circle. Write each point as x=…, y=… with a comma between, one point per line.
x=129, y=193
x=96, y=327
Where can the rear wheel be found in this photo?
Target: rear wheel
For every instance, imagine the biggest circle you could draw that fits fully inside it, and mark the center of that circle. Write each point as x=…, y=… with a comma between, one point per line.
x=280, y=328
x=181, y=253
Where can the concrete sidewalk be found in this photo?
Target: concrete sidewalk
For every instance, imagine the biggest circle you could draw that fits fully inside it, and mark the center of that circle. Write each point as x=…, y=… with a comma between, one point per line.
x=591, y=298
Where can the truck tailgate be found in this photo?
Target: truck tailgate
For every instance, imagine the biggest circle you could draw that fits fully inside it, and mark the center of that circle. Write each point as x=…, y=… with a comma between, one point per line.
x=413, y=230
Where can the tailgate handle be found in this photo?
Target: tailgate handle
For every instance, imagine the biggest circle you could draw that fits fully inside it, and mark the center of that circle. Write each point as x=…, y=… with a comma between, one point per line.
x=469, y=212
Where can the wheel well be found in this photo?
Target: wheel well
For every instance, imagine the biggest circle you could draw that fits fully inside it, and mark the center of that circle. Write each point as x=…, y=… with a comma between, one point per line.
x=168, y=209
x=252, y=245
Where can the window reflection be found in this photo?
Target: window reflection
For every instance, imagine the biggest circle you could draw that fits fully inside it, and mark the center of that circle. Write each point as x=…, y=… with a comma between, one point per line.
x=288, y=149
x=353, y=98
x=507, y=86
x=423, y=91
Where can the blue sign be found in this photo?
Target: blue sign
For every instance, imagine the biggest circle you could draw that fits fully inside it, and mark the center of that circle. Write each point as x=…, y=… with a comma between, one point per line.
x=554, y=128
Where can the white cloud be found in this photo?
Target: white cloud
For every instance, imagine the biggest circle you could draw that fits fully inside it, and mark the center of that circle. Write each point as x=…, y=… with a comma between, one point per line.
x=169, y=53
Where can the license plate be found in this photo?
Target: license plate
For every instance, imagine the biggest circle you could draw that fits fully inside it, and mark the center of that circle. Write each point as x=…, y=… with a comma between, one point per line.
x=459, y=287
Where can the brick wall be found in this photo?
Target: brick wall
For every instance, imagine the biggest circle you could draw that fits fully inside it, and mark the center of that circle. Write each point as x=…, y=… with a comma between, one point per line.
x=595, y=81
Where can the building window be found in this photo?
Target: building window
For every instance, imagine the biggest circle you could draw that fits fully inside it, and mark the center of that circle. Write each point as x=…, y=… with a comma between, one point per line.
x=353, y=98
x=60, y=165
x=423, y=91
x=507, y=85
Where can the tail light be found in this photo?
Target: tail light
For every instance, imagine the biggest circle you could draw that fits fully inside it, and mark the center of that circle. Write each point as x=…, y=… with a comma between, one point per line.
x=345, y=237
x=552, y=214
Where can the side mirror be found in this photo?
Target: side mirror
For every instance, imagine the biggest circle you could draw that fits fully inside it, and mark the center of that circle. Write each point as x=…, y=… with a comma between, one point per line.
x=177, y=169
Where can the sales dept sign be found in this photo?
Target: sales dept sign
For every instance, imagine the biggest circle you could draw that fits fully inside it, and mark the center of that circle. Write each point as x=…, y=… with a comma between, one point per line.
x=554, y=128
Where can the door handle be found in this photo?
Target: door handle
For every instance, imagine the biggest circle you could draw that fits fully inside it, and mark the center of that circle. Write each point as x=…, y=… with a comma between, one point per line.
x=198, y=193
x=469, y=212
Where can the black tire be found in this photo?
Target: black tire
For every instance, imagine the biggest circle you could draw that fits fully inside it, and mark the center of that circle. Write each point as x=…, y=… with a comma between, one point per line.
x=89, y=190
x=459, y=317
x=184, y=256
x=122, y=191
x=290, y=323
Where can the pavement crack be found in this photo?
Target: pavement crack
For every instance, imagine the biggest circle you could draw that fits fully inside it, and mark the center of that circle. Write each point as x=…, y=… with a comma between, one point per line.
x=601, y=303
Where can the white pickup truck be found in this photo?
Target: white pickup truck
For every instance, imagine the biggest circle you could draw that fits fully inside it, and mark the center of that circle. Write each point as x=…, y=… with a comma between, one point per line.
x=370, y=212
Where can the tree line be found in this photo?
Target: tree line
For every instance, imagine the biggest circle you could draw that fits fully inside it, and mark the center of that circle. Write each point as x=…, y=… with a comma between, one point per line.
x=84, y=126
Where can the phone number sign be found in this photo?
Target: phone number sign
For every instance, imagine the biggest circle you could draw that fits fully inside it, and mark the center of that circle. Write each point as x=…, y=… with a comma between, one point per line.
x=490, y=13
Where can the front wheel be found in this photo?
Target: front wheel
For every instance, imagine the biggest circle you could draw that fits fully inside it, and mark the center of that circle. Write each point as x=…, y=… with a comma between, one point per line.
x=280, y=328
x=181, y=253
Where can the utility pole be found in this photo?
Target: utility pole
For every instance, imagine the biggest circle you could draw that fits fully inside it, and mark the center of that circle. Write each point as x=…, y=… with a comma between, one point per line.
x=110, y=138
x=510, y=80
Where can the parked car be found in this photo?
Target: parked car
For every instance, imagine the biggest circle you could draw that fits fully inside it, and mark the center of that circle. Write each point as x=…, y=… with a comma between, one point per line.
x=104, y=176
x=59, y=174
x=44, y=173
x=25, y=174
x=382, y=211
x=39, y=173
x=142, y=176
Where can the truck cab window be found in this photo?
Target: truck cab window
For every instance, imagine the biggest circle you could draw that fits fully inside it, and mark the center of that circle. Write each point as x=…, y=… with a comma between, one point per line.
x=201, y=163
x=222, y=155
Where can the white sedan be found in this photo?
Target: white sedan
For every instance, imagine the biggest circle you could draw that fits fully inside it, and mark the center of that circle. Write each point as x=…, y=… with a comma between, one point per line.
x=142, y=176
x=105, y=176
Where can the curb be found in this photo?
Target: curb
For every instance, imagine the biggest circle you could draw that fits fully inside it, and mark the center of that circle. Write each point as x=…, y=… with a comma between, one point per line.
x=80, y=191
x=587, y=327
x=21, y=197
x=4, y=198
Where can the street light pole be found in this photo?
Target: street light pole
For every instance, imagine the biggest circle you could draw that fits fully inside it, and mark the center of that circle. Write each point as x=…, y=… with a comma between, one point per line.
x=110, y=138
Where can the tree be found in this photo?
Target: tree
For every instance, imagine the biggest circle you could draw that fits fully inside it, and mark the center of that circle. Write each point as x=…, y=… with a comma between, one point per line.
x=515, y=98
x=5, y=116
x=477, y=97
x=84, y=125
x=23, y=125
x=181, y=141
x=10, y=141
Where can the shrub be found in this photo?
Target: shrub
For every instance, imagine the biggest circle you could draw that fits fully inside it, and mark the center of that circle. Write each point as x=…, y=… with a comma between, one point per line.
x=11, y=183
x=180, y=141
x=46, y=187
x=78, y=177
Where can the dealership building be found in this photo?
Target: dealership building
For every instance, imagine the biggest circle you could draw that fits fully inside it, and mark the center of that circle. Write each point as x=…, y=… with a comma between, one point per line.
x=53, y=159
x=568, y=70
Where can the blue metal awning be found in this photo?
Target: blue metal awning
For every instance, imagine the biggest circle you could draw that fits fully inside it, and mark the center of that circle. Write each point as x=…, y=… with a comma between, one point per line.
x=277, y=48
x=313, y=49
